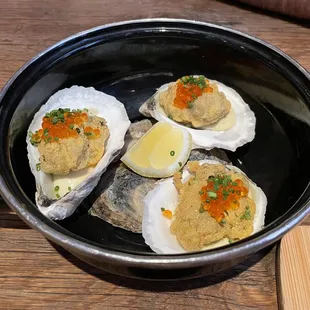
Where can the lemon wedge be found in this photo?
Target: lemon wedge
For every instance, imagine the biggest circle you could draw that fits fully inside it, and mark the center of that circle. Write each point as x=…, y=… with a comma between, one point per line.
x=161, y=152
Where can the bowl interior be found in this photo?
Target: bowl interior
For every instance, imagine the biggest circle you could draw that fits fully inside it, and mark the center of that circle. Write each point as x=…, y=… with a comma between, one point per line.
x=130, y=64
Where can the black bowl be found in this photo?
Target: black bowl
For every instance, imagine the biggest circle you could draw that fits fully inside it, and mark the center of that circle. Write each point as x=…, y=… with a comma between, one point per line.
x=130, y=60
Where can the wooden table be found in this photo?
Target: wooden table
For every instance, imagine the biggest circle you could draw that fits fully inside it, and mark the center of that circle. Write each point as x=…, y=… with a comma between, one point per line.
x=37, y=274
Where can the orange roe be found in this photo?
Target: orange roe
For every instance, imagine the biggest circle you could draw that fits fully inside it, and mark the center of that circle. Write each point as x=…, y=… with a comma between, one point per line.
x=62, y=124
x=218, y=196
x=91, y=133
x=188, y=92
x=167, y=214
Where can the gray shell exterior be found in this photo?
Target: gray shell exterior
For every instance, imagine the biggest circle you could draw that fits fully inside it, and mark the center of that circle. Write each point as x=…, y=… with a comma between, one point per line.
x=122, y=191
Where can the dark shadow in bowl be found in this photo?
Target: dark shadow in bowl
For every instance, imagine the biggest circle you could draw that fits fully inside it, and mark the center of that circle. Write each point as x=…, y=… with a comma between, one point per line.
x=169, y=285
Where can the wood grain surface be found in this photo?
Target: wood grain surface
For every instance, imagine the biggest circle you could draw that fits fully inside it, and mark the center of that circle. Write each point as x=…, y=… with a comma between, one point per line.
x=35, y=274
x=294, y=269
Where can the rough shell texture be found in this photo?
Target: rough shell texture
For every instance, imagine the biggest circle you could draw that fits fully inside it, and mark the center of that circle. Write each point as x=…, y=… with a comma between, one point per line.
x=119, y=195
x=156, y=228
x=121, y=191
x=98, y=103
x=241, y=133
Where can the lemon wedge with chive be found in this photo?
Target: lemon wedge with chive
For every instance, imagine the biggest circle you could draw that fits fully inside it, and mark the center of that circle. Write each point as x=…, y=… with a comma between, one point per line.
x=161, y=152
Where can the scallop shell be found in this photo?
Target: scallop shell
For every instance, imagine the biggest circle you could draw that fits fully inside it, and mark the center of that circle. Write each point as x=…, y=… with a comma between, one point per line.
x=119, y=195
x=98, y=103
x=241, y=133
x=156, y=228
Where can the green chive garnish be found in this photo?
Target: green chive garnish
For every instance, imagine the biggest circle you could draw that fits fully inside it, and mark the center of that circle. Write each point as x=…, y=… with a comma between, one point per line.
x=225, y=192
x=247, y=214
x=172, y=153
x=56, y=189
x=162, y=209
x=57, y=195
x=201, y=210
x=38, y=167
x=212, y=194
x=69, y=188
x=180, y=164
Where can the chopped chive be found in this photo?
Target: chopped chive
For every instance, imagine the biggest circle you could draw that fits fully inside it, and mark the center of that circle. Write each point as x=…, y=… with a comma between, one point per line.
x=56, y=189
x=45, y=132
x=170, y=116
x=71, y=126
x=216, y=186
x=234, y=183
x=69, y=188
x=88, y=134
x=38, y=167
x=212, y=194
x=223, y=221
x=78, y=130
x=57, y=195
x=56, y=138
x=86, y=110
x=201, y=210
x=208, y=200
x=201, y=192
x=230, y=240
x=226, y=181
x=180, y=164
x=190, y=105
x=231, y=190
x=162, y=209
x=246, y=215
x=225, y=192
x=172, y=153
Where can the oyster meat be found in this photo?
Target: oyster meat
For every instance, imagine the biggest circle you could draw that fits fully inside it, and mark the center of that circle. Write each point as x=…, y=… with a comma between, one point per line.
x=191, y=223
x=66, y=169
x=226, y=130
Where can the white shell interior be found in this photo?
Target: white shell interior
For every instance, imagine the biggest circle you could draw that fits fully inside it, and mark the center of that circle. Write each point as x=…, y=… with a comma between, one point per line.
x=156, y=228
x=98, y=103
x=242, y=132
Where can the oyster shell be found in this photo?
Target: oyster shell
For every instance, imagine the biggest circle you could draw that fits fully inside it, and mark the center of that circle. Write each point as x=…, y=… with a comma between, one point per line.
x=242, y=132
x=156, y=228
x=100, y=104
x=119, y=195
